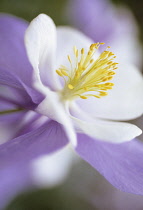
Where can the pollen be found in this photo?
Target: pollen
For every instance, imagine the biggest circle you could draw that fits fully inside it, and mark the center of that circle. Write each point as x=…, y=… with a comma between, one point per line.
x=87, y=76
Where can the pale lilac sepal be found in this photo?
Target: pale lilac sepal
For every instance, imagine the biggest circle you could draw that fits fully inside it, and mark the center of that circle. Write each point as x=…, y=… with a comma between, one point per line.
x=120, y=164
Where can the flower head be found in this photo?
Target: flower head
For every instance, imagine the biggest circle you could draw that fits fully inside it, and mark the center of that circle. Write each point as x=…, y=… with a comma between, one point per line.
x=78, y=77
x=52, y=106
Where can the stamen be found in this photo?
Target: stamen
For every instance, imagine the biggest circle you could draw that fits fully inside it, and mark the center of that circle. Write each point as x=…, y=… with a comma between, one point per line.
x=88, y=77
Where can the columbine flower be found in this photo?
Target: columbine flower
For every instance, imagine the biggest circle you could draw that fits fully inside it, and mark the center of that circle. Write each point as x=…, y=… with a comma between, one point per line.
x=87, y=77
x=60, y=96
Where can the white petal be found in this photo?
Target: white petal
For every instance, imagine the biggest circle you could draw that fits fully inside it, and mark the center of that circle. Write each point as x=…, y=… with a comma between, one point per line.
x=125, y=100
x=124, y=42
x=115, y=132
x=40, y=41
x=52, y=107
x=124, y=47
x=139, y=122
x=50, y=170
x=67, y=39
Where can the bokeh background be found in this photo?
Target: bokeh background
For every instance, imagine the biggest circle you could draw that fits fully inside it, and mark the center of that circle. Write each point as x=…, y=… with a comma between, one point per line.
x=73, y=194
x=28, y=9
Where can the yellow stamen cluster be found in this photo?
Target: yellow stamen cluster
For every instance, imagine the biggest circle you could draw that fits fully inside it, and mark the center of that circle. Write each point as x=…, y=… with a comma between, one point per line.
x=89, y=76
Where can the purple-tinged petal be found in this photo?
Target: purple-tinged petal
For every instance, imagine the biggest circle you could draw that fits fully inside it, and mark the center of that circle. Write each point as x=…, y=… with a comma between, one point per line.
x=31, y=121
x=11, y=120
x=120, y=164
x=13, y=180
x=15, y=97
x=7, y=113
x=15, y=174
x=13, y=125
x=10, y=126
x=92, y=187
x=13, y=56
x=44, y=140
x=15, y=68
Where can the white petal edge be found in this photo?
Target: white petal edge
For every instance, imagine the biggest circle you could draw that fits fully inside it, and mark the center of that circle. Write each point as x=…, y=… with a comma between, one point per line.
x=41, y=42
x=109, y=131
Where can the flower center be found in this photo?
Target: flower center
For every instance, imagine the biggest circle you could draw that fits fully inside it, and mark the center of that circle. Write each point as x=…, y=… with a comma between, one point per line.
x=88, y=76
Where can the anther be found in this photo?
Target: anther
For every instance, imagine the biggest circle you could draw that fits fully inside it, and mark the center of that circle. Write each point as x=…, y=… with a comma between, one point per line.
x=69, y=58
x=82, y=51
x=59, y=73
x=83, y=97
x=70, y=87
x=64, y=72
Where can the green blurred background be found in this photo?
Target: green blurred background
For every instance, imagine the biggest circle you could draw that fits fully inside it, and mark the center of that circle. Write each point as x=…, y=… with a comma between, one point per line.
x=57, y=198
x=28, y=9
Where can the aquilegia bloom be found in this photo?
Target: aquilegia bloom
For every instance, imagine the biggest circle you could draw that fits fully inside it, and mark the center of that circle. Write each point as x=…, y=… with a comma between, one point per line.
x=57, y=94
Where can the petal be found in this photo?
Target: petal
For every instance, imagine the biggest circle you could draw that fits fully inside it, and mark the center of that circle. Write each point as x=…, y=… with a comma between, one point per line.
x=9, y=129
x=15, y=171
x=14, y=96
x=115, y=132
x=40, y=41
x=17, y=91
x=11, y=120
x=57, y=168
x=120, y=164
x=52, y=107
x=14, y=124
x=13, y=180
x=15, y=69
x=110, y=131
x=9, y=112
x=139, y=122
x=44, y=140
x=15, y=119
x=125, y=100
x=13, y=55
x=95, y=189
x=73, y=38
x=124, y=41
